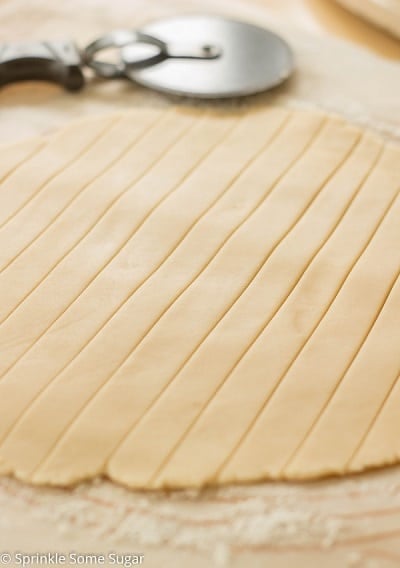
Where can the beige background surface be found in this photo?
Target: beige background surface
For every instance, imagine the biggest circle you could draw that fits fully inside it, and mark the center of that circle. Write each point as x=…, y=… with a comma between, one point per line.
x=351, y=522
x=327, y=17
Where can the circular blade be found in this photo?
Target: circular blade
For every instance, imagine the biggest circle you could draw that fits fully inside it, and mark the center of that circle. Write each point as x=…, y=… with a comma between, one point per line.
x=252, y=59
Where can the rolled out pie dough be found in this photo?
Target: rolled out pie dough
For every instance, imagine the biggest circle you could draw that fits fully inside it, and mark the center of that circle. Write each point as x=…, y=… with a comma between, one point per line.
x=196, y=297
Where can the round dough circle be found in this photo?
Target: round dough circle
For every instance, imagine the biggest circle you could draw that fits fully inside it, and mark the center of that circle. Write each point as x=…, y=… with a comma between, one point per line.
x=199, y=297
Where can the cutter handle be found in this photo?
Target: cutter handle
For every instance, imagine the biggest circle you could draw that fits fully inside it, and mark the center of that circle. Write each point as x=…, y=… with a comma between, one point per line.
x=58, y=62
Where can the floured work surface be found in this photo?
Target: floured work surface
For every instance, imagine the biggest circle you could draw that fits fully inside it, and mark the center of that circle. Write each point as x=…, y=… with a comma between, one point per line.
x=199, y=297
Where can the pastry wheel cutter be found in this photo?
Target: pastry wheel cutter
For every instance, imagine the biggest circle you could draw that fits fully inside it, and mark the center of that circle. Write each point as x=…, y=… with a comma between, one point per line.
x=195, y=56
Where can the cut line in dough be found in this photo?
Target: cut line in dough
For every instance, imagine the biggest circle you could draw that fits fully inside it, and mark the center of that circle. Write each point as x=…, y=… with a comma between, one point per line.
x=199, y=297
